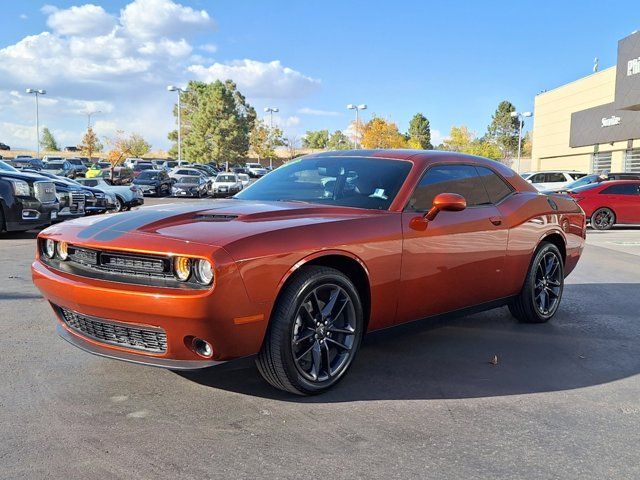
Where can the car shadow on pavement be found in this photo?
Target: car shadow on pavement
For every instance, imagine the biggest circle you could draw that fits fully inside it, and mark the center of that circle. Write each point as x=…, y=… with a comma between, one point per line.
x=593, y=339
x=30, y=235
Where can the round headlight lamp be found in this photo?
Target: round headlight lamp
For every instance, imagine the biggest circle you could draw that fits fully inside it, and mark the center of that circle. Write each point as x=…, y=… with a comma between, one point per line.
x=63, y=252
x=182, y=268
x=204, y=271
x=49, y=248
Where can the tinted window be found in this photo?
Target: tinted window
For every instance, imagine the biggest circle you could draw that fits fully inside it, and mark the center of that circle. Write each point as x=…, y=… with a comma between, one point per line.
x=90, y=183
x=461, y=179
x=625, y=189
x=225, y=178
x=496, y=187
x=359, y=182
x=555, y=177
x=6, y=167
x=576, y=176
x=537, y=178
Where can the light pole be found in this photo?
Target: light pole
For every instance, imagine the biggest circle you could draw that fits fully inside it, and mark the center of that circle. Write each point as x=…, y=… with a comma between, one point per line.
x=173, y=88
x=520, y=116
x=37, y=92
x=270, y=111
x=357, y=108
x=89, y=115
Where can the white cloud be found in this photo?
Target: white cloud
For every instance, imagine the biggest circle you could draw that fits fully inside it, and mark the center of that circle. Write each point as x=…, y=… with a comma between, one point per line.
x=120, y=63
x=23, y=16
x=259, y=79
x=436, y=137
x=319, y=113
x=162, y=18
x=86, y=20
x=209, y=47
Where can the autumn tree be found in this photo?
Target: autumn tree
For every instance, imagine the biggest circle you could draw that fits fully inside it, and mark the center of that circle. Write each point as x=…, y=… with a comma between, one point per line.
x=316, y=139
x=462, y=140
x=48, y=141
x=291, y=144
x=503, y=129
x=264, y=139
x=419, y=133
x=379, y=133
x=527, y=145
x=119, y=150
x=136, y=145
x=216, y=122
x=338, y=141
x=90, y=143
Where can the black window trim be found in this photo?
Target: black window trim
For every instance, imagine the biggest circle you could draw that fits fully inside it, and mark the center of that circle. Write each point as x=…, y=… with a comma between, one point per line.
x=466, y=164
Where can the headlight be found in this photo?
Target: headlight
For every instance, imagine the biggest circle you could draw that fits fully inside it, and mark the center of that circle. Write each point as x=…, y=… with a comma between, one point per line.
x=182, y=268
x=20, y=188
x=49, y=248
x=63, y=253
x=204, y=271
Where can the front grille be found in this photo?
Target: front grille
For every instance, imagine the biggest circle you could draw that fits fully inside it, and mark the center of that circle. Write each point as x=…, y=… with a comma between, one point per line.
x=121, y=262
x=77, y=201
x=45, y=191
x=149, y=339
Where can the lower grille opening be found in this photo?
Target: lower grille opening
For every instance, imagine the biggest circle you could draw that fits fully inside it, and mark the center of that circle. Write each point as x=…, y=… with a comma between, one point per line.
x=149, y=339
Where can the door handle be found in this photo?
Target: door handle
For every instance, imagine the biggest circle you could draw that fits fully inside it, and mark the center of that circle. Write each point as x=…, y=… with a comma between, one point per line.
x=496, y=220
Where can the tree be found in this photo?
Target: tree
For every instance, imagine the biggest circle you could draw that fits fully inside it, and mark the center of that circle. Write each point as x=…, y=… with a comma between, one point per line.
x=419, y=133
x=338, y=141
x=527, y=145
x=503, y=129
x=120, y=145
x=263, y=140
x=378, y=133
x=136, y=145
x=216, y=122
x=316, y=139
x=462, y=140
x=291, y=143
x=48, y=141
x=90, y=143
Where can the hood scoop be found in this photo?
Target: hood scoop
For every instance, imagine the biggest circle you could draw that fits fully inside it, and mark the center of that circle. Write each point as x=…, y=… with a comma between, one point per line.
x=215, y=217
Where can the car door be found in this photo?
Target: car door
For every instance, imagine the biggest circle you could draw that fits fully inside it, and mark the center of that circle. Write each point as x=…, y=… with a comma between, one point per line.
x=624, y=200
x=457, y=260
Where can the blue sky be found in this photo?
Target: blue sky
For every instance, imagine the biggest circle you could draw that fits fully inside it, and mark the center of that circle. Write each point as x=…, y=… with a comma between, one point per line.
x=452, y=62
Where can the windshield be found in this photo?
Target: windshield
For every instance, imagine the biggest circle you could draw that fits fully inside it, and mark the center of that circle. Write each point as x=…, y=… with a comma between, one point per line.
x=188, y=180
x=149, y=175
x=6, y=167
x=143, y=166
x=254, y=165
x=226, y=178
x=584, y=188
x=74, y=161
x=583, y=181
x=54, y=166
x=347, y=181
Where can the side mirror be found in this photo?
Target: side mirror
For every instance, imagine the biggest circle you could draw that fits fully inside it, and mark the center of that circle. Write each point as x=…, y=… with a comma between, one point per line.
x=446, y=202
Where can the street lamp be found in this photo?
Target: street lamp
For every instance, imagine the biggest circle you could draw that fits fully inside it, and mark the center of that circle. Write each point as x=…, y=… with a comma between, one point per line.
x=89, y=115
x=180, y=90
x=520, y=116
x=37, y=92
x=357, y=108
x=271, y=111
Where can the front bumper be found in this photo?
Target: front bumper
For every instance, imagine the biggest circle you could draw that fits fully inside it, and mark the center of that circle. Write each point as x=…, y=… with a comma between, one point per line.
x=224, y=316
x=29, y=214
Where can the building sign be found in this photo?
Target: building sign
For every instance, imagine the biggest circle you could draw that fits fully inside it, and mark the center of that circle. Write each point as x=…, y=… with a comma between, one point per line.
x=610, y=121
x=620, y=120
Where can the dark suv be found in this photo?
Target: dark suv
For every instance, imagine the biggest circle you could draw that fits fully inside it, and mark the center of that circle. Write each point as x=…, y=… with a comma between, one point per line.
x=27, y=200
x=153, y=182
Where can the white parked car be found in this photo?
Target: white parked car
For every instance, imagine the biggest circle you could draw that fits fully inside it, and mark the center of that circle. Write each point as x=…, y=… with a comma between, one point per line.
x=178, y=172
x=126, y=196
x=256, y=170
x=225, y=185
x=552, y=178
x=244, y=179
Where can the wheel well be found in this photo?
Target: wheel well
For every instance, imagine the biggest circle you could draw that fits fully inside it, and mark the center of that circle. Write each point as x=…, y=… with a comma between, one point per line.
x=356, y=273
x=558, y=241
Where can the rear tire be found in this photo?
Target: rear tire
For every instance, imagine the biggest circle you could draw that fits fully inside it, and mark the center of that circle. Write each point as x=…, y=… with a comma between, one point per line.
x=119, y=204
x=603, y=219
x=539, y=299
x=314, y=334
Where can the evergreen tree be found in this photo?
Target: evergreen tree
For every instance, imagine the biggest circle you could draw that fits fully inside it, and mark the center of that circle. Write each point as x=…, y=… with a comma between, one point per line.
x=419, y=132
x=503, y=130
x=48, y=141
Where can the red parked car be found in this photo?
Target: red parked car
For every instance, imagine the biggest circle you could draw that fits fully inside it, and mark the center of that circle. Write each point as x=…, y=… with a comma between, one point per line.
x=609, y=203
x=297, y=267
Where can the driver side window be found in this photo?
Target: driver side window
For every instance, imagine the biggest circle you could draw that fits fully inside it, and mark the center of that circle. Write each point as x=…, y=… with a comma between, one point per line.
x=460, y=179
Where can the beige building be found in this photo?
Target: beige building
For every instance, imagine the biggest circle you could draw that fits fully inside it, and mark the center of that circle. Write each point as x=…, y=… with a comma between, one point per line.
x=592, y=124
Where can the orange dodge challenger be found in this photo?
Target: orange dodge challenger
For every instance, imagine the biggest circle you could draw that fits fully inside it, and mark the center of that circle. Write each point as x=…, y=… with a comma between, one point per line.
x=300, y=265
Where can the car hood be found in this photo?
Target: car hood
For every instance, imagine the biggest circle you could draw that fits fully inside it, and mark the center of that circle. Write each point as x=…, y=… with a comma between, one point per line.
x=33, y=177
x=214, y=223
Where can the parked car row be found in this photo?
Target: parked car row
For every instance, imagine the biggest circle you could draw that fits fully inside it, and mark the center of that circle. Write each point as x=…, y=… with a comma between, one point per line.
x=31, y=198
x=607, y=199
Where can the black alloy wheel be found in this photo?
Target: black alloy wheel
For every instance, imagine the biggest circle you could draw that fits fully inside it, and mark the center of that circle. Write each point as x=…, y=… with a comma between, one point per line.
x=314, y=333
x=603, y=219
x=541, y=293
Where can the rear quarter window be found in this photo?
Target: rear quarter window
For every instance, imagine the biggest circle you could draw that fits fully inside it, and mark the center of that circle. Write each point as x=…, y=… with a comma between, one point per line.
x=497, y=188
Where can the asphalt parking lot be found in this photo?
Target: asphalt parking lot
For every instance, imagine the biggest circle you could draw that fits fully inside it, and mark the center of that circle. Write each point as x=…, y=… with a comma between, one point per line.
x=562, y=402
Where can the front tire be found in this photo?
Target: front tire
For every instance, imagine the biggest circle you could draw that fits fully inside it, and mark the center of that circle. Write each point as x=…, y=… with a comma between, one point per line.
x=540, y=296
x=314, y=334
x=603, y=219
